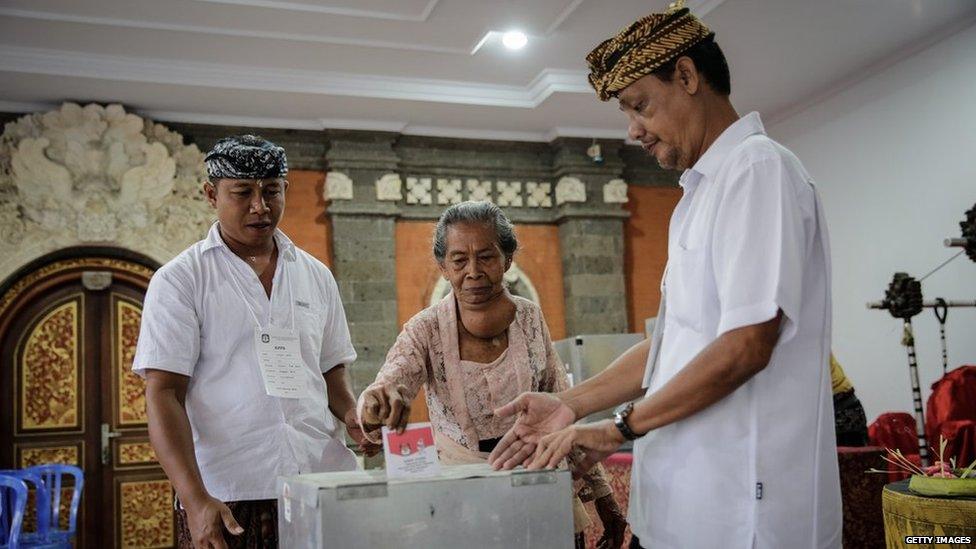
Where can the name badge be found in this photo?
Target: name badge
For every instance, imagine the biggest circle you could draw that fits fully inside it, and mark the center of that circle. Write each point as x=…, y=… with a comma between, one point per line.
x=280, y=359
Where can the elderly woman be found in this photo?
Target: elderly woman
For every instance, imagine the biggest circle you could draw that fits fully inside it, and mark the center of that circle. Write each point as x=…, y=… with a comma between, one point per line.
x=474, y=351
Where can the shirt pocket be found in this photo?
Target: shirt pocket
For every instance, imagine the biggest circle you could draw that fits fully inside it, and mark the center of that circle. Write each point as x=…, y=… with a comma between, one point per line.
x=310, y=325
x=685, y=287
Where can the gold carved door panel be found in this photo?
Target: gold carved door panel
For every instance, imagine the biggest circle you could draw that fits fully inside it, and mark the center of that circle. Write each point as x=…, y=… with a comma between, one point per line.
x=68, y=396
x=49, y=392
x=143, y=498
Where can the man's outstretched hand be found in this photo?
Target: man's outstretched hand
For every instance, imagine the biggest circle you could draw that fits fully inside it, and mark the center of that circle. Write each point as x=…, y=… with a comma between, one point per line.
x=538, y=415
x=596, y=440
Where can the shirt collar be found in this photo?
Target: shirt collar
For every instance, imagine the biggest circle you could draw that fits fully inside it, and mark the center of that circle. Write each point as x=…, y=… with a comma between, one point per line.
x=286, y=248
x=710, y=162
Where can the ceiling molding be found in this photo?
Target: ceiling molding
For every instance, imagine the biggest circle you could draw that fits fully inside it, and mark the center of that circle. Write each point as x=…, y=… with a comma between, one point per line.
x=239, y=33
x=563, y=16
x=223, y=76
x=501, y=135
x=594, y=133
x=26, y=106
x=117, y=22
x=495, y=36
x=332, y=10
x=701, y=8
x=474, y=133
x=698, y=7
x=164, y=117
x=231, y=120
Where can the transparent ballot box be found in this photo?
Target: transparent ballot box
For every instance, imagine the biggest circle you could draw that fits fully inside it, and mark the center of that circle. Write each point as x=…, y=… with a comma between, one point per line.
x=463, y=506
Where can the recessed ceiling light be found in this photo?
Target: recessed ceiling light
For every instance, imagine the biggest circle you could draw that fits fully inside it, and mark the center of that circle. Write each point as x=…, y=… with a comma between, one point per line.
x=515, y=40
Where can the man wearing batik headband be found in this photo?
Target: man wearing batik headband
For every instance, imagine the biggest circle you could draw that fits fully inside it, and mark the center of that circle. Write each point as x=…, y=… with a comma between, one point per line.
x=731, y=414
x=243, y=346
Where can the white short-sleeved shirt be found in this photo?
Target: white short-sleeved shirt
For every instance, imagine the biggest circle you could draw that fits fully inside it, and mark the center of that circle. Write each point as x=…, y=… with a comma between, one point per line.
x=759, y=467
x=195, y=322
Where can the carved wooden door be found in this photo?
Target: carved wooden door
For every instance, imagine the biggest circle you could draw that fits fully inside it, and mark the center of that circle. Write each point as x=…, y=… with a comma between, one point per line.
x=67, y=338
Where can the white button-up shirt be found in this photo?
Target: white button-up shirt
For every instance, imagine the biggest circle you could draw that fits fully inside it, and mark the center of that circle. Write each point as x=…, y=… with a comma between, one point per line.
x=759, y=467
x=197, y=321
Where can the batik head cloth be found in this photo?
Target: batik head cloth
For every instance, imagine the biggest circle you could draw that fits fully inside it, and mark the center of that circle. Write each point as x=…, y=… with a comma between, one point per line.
x=246, y=157
x=643, y=47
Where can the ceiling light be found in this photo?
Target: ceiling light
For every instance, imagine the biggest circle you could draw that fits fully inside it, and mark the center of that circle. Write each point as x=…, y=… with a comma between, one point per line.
x=514, y=40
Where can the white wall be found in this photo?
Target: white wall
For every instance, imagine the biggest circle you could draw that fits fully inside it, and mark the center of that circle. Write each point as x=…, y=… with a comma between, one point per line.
x=894, y=157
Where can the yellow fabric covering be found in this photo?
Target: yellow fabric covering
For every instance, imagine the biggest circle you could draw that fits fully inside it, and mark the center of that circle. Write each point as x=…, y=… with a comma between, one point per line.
x=838, y=380
x=906, y=514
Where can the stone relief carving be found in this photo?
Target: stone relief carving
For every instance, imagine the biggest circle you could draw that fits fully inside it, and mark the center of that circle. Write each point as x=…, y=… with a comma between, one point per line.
x=538, y=195
x=516, y=280
x=448, y=192
x=615, y=192
x=389, y=187
x=570, y=189
x=338, y=186
x=478, y=190
x=509, y=194
x=419, y=190
x=97, y=175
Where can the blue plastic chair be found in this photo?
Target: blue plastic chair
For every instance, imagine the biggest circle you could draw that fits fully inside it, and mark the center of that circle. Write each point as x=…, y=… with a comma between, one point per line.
x=42, y=508
x=13, y=501
x=52, y=475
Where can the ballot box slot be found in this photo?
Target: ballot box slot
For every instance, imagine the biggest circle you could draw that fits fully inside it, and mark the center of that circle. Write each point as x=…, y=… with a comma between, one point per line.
x=532, y=478
x=361, y=491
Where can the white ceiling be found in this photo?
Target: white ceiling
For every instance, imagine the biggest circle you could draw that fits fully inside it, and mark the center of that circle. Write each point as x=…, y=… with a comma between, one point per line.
x=411, y=65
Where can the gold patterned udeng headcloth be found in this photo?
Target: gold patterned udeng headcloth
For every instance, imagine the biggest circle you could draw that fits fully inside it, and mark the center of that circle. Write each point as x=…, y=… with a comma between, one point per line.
x=642, y=47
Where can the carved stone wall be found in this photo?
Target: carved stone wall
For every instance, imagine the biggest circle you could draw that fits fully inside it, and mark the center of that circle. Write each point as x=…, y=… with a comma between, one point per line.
x=98, y=175
x=94, y=175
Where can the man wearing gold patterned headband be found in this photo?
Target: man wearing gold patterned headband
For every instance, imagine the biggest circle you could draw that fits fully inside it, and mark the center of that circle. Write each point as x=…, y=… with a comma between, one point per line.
x=731, y=412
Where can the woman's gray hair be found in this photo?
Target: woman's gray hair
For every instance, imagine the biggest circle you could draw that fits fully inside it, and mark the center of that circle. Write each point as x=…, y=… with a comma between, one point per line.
x=475, y=212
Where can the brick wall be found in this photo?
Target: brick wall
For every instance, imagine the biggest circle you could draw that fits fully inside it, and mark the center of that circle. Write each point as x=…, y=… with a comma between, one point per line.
x=306, y=221
x=646, y=249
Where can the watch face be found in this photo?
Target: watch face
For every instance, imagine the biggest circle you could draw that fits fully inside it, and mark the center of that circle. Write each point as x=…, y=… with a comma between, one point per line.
x=624, y=409
x=622, y=426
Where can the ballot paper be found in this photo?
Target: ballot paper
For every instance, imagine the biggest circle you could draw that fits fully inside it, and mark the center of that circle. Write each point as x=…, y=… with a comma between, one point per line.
x=411, y=454
x=280, y=359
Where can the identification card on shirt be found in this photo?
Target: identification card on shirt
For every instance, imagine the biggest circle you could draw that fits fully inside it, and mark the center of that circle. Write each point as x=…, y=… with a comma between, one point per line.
x=411, y=454
x=280, y=359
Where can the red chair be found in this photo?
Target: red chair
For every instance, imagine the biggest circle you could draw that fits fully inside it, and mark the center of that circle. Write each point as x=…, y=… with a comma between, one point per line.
x=953, y=400
x=896, y=431
x=960, y=438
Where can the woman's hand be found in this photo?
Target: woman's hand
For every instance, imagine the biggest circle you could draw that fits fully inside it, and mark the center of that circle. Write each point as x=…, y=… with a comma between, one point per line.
x=385, y=405
x=597, y=440
x=614, y=523
x=355, y=432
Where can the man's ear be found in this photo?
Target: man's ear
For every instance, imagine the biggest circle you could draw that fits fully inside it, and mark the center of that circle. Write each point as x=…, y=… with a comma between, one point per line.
x=210, y=191
x=687, y=75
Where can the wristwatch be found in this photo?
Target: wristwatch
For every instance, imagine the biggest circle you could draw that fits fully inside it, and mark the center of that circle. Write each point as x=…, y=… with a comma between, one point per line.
x=620, y=420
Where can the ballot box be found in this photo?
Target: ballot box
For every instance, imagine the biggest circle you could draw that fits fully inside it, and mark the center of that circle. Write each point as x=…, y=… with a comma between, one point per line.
x=465, y=506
